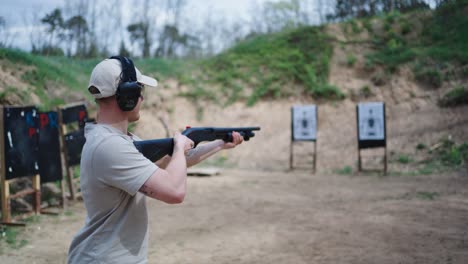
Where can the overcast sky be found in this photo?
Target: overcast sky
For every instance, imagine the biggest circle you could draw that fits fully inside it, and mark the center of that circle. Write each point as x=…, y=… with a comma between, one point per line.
x=16, y=12
x=12, y=10
x=20, y=14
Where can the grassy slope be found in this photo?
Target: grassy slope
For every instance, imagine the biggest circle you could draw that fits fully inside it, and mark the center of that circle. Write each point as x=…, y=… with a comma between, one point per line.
x=437, y=52
x=294, y=62
x=45, y=73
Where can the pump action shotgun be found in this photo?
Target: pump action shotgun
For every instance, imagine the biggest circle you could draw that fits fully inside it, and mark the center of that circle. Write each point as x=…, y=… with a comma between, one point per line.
x=155, y=149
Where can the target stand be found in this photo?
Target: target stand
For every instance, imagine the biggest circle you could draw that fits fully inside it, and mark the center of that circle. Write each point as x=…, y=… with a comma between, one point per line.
x=304, y=123
x=72, y=119
x=371, y=131
x=19, y=150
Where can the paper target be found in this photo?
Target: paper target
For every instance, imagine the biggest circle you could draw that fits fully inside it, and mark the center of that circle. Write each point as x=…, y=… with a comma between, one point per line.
x=371, y=120
x=304, y=125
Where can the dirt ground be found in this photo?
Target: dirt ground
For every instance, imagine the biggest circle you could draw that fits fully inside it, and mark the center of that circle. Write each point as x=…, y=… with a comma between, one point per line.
x=258, y=212
x=246, y=216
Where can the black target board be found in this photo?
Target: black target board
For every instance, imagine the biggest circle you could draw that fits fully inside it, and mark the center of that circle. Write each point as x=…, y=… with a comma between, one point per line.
x=371, y=125
x=21, y=141
x=50, y=165
x=74, y=142
x=77, y=113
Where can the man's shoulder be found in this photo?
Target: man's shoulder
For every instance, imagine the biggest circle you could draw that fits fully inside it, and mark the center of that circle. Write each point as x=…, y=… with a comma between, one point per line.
x=110, y=142
x=104, y=134
x=105, y=140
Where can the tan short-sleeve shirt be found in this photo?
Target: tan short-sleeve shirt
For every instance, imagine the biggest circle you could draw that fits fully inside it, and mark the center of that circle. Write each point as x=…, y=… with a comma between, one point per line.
x=111, y=173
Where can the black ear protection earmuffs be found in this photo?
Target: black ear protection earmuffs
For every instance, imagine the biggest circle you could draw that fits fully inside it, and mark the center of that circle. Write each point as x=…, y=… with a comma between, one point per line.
x=129, y=90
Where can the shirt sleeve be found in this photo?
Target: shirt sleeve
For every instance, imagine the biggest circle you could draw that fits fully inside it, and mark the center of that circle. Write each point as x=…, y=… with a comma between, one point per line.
x=119, y=164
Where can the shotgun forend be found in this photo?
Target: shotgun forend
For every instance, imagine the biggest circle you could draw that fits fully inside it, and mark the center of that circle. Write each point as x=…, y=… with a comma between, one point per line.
x=155, y=149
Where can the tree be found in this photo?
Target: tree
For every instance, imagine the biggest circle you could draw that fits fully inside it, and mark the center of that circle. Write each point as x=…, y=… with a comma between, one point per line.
x=109, y=27
x=5, y=36
x=172, y=39
x=170, y=36
x=55, y=22
x=77, y=28
x=139, y=32
x=345, y=9
x=281, y=15
x=123, y=50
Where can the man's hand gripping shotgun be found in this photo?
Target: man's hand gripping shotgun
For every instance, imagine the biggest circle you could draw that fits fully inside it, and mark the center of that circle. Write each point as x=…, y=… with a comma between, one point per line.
x=155, y=149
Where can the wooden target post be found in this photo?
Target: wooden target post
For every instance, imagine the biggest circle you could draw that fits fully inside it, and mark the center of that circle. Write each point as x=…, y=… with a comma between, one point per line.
x=19, y=147
x=371, y=129
x=72, y=119
x=304, y=127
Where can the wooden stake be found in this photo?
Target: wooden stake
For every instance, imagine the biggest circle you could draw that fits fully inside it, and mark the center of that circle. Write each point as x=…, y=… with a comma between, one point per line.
x=6, y=216
x=68, y=172
x=36, y=184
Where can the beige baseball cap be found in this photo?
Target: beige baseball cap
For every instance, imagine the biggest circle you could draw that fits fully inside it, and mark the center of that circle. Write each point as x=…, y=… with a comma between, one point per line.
x=106, y=78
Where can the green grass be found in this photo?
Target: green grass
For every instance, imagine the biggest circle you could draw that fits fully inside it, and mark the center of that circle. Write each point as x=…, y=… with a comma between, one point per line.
x=443, y=38
x=427, y=195
x=44, y=74
x=347, y=170
x=266, y=66
x=421, y=146
x=404, y=159
x=11, y=236
x=162, y=69
x=446, y=156
x=451, y=154
x=350, y=60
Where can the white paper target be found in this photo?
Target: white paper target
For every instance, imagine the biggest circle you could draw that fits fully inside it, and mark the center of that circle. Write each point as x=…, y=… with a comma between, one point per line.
x=305, y=122
x=371, y=121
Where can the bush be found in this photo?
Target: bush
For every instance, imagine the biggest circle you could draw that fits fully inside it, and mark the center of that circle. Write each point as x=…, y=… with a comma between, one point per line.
x=430, y=76
x=351, y=60
x=405, y=28
x=404, y=159
x=365, y=91
x=379, y=78
x=421, y=146
x=452, y=155
x=455, y=97
x=347, y=170
x=367, y=24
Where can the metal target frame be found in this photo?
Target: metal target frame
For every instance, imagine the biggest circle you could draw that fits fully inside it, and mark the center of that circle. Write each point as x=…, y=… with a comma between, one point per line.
x=312, y=137
x=376, y=137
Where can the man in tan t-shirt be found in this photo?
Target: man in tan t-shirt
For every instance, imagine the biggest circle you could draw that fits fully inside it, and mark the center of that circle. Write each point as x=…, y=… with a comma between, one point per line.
x=116, y=178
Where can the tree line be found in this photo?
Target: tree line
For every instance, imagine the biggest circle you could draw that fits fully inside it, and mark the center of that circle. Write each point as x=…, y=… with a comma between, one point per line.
x=169, y=28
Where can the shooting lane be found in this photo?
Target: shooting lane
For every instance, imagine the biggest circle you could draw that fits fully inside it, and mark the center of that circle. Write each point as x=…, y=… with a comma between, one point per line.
x=50, y=161
x=19, y=146
x=371, y=130
x=304, y=126
x=72, y=119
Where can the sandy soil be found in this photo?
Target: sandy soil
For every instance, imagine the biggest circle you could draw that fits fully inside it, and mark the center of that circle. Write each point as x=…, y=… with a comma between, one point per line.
x=244, y=216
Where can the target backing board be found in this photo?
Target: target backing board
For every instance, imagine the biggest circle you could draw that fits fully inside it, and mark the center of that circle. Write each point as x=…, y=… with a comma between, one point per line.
x=21, y=137
x=304, y=123
x=50, y=163
x=371, y=124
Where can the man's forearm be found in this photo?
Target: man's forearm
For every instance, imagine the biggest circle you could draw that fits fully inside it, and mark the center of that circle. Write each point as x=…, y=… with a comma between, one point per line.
x=204, y=151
